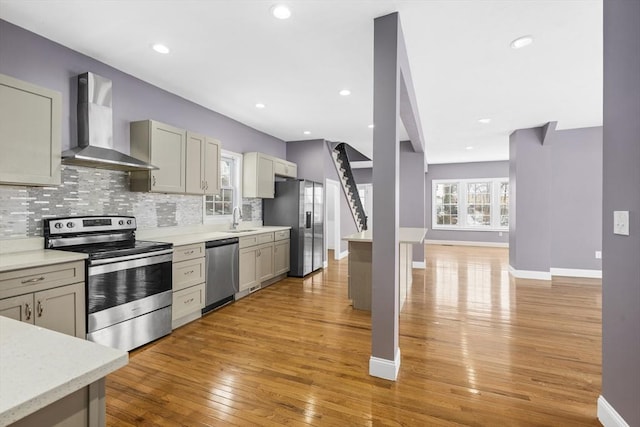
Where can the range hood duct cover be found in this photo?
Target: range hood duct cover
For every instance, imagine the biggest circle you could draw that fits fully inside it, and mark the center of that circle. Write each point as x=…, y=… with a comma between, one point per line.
x=95, y=129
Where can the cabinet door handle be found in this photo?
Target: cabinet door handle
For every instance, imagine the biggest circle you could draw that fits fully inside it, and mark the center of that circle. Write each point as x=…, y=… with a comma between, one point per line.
x=259, y=253
x=186, y=273
x=188, y=252
x=202, y=185
x=40, y=308
x=189, y=301
x=154, y=180
x=34, y=280
x=206, y=185
x=27, y=311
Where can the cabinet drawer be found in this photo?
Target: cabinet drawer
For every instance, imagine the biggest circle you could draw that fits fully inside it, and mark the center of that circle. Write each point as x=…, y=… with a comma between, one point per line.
x=181, y=253
x=281, y=235
x=187, y=301
x=247, y=241
x=34, y=279
x=188, y=273
x=265, y=238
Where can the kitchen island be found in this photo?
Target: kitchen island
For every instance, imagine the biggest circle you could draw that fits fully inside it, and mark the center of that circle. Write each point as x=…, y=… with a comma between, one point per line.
x=360, y=264
x=49, y=378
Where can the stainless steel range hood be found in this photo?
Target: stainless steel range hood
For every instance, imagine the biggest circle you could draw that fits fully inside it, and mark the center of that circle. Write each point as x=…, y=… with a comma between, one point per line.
x=95, y=129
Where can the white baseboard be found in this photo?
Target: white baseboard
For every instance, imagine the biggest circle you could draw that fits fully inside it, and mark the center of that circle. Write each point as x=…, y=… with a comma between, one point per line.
x=529, y=274
x=574, y=272
x=384, y=368
x=419, y=265
x=467, y=243
x=340, y=255
x=608, y=416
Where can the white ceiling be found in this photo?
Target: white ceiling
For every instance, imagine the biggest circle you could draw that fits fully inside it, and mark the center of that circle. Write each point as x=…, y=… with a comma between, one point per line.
x=228, y=55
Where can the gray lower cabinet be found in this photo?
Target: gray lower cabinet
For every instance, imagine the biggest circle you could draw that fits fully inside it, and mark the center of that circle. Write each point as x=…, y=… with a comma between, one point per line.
x=52, y=297
x=30, y=120
x=189, y=277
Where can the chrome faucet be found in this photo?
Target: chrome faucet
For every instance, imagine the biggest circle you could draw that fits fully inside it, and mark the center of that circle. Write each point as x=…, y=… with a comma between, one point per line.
x=236, y=216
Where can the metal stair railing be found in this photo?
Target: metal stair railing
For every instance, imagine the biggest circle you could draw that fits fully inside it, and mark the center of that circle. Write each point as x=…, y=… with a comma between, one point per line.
x=341, y=160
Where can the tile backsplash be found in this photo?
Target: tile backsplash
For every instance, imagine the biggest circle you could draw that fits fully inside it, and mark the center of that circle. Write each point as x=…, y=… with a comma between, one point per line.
x=89, y=191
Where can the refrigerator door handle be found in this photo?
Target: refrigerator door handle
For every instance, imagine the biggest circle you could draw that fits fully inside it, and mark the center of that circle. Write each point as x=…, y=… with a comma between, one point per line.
x=308, y=220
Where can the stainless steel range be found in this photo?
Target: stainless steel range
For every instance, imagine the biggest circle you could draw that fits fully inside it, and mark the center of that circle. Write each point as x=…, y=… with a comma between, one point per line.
x=129, y=281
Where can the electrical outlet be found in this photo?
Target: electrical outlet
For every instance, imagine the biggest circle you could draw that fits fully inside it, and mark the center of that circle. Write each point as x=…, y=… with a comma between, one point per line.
x=500, y=233
x=621, y=222
x=598, y=254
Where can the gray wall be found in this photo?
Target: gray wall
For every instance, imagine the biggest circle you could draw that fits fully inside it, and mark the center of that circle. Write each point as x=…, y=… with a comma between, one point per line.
x=576, y=198
x=27, y=56
x=463, y=171
x=621, y=269
x=412, y=192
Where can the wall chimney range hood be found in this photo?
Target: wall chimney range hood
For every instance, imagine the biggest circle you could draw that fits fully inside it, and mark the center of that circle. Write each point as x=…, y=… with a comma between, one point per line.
x=95, y=129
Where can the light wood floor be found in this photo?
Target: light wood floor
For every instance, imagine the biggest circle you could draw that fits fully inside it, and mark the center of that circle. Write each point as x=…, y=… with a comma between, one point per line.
x=477, y=349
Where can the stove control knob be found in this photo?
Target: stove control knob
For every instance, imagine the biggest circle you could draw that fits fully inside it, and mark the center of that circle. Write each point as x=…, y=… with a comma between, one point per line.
x=121, y=222
x=128, y=222
x=70, y=225
x=58, y=225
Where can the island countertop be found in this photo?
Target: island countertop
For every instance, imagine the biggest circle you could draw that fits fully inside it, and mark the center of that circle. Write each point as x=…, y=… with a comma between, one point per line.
x=406, y=235
x=39, y=367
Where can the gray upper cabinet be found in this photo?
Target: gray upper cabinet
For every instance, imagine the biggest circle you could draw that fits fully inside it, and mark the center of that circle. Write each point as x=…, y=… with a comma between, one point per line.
x=163, y=146
x=203, y=165
x=30, y=120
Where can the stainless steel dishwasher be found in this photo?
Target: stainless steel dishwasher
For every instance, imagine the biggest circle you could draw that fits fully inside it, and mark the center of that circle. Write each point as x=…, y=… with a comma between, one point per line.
x=222, y=272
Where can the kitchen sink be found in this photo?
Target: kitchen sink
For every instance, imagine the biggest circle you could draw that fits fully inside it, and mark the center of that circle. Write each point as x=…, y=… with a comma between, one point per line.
x=238, y=231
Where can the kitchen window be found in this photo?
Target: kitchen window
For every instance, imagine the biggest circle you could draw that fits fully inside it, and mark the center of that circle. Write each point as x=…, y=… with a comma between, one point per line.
x=220, y=206
x=471, y=204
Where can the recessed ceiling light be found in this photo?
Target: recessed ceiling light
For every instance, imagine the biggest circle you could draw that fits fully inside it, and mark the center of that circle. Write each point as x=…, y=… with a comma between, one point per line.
x=260, y=105
x=371, y=126
x=484, y=121
x=345, y=92
x=468, y=148
x=160, y=48
x=521, y=42
x=281, y=11
x=307, y=132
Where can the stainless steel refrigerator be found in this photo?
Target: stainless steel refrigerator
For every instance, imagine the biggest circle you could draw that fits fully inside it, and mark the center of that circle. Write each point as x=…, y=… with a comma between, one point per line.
x=300, y=205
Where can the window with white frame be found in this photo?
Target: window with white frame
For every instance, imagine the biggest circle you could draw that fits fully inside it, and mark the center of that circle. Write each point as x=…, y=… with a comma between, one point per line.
x=471, y=204
x=220, y=206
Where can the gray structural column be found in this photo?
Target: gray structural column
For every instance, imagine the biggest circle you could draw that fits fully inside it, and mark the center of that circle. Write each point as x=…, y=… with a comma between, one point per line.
x=412, y=192
x=529, y=210
x=385, y=357
x=621, y=192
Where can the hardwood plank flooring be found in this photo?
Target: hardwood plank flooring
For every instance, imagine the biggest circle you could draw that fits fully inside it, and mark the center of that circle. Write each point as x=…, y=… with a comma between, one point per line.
x=478, y=349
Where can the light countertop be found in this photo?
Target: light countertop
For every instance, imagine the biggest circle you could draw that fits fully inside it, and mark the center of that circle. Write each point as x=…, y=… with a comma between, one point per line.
x=36, y=258
x=406, y=235
x=39, y=367
x=203, y=236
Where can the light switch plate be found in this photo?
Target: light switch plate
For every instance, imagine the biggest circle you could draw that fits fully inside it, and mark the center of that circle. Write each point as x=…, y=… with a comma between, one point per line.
x=621, y=222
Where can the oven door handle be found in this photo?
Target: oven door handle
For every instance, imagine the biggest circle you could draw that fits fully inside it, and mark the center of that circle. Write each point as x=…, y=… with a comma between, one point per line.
x=129, y=257
x=125, y=263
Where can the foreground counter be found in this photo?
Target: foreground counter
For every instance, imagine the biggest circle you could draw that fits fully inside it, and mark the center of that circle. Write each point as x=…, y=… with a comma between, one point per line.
x=51, y=379
x=360, y=264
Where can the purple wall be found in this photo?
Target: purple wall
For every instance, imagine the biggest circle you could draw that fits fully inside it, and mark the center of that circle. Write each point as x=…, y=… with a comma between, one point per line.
x=29, y=57
x=310, y=158
x=412, y=192
x=315, y=163
x=530, y=242
x=555, y=218
x=621, y=185
x=363, y=176
x=463, y=171
x=576, y=198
